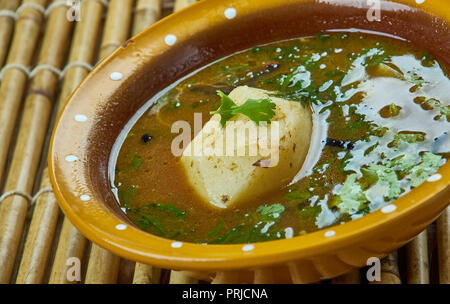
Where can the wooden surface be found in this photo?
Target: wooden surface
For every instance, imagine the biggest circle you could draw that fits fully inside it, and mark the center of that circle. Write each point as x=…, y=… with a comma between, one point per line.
x=37, y=244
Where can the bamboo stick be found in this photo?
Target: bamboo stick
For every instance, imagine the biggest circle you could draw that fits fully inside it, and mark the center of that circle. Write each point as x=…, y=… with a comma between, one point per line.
x=178, y=277
x=226, y=277
x=353, y=277
x=39, y=238
x=145, y=274
x=147, y=13
x=126, y=271
x=180, y=4
x=103, y=265
x=417, y=260
x=6, y=27
x=443, y=238
x=389, y=270
x=83, y=49
x=263, y=276
x=31, y=137
x=13, y=84
x=71, y=246
x=117, y=26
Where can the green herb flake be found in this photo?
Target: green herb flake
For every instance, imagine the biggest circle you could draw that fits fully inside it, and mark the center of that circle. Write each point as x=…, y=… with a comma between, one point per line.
x=394, y=110
x=216, y=229
x=351, y=198
x=136, y=161
x=410, y=138
x=310, y=212
x=126, y=196
x=169, y=208
x=430, y=164
x=403, y=163
x=380, y=56
x=258, y=110
x=388, y=177
x=269, y=213
x=296, y=195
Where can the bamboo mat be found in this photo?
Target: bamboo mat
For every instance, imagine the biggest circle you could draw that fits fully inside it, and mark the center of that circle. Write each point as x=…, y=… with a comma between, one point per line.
x=44, y=57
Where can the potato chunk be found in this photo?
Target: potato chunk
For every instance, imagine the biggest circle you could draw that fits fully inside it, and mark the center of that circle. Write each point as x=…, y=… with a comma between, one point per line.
x=233, y=178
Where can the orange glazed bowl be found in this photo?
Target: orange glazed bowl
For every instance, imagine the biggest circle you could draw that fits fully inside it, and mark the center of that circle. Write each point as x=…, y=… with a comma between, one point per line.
x=183, y=42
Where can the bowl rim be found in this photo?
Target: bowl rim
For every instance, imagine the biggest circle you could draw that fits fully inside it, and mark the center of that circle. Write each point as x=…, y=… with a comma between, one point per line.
x=172, y=254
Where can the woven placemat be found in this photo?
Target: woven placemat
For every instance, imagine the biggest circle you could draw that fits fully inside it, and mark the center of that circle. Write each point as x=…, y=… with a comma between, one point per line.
x=46, y=49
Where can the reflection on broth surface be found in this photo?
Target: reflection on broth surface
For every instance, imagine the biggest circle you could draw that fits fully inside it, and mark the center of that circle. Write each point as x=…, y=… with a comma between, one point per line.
x=381, y=116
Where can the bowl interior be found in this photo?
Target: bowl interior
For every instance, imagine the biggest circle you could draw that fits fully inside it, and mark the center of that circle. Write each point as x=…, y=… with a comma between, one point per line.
x=99, y=109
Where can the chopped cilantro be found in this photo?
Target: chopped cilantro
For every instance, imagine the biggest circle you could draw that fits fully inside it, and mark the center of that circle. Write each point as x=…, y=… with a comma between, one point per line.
x=403, y=163
x=386, y=176
x=257, y=110
x=269, y=213
x=136, y=161
x=437, y=105
x=430, y=164
x=310, y=212
x=375, y=56
x=145, y=221
x=410, y=138
x=126, y=196
x=296, y=195
x=169, y=208
x=351, y=197
x=394, y=110
x=216, y=229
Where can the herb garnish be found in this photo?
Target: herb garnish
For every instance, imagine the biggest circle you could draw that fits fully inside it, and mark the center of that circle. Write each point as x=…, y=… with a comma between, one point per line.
x=258, y=110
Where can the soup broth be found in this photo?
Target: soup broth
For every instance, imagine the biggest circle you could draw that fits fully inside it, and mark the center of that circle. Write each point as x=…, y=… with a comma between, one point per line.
x=381, y=117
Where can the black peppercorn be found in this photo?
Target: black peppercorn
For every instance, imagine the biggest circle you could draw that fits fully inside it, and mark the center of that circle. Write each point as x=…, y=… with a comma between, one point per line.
x=146, y=138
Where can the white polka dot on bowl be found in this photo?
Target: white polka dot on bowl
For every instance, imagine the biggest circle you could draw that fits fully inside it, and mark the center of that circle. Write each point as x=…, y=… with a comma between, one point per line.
x=420, y=1
x=85, y=197
x=176, y=244
x=71, y=158
x=170, y=39
x=80, y=118
x=434, y=177
x=230, y=13
x=330, y=233
x=388, y=208
x=116, y=76
x=248, y=247
x=121, y=227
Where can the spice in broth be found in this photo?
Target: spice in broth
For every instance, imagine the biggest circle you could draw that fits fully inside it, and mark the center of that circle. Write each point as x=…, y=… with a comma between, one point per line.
x=381, y=118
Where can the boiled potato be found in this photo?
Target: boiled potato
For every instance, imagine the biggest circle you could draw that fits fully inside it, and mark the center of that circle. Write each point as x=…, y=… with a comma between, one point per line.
x=233, y=177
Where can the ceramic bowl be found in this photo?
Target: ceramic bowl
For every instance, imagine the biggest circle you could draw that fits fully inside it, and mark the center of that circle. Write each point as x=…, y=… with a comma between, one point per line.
x=119, y=85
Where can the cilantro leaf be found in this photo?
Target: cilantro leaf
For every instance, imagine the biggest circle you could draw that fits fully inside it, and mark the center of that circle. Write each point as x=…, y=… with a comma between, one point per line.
x=269, y=213
x=257, y=110
x=125, y=197
x=226, y=108
x=351, y=197
x=169, y=208
x=388, y=177
x=404, y=162
x=430, y=164
x=296, y=195
x=407, y=138
x=216, y=229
